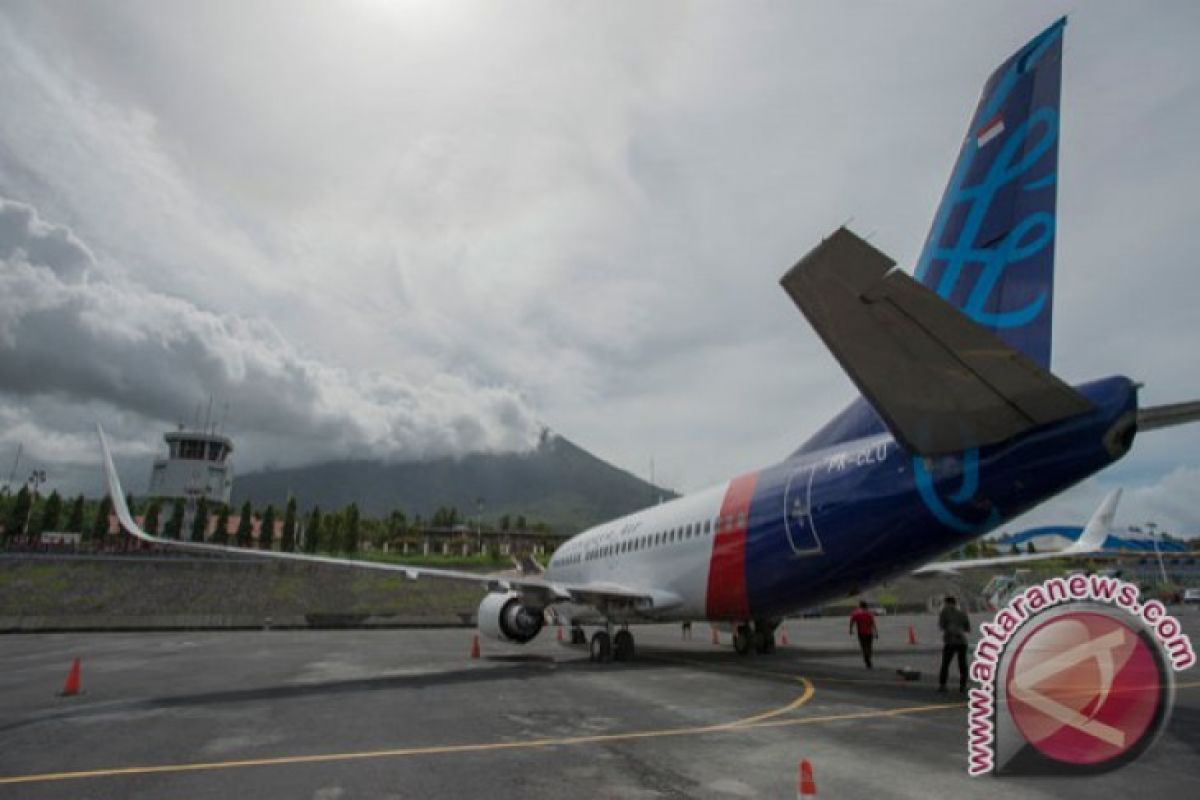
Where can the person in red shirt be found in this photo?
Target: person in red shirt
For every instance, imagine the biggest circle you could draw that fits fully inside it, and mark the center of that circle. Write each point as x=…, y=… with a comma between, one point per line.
x=864, y=621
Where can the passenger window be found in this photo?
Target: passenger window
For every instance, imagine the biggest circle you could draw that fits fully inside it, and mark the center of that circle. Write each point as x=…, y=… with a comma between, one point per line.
x=707, y=522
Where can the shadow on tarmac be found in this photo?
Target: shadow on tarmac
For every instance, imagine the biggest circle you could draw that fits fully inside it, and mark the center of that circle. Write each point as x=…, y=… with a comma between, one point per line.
x=786, y=665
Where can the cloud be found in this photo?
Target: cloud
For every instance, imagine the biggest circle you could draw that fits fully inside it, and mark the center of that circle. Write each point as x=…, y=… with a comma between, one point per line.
x=430, y=206
x=71, y=330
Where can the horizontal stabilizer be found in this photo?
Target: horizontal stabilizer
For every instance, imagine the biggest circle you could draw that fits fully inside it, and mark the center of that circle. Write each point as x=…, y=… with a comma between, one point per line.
x=1155, y=417
x=941, y=382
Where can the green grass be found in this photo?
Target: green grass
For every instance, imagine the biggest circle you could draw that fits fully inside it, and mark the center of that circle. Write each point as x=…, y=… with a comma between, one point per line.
x=457, y=561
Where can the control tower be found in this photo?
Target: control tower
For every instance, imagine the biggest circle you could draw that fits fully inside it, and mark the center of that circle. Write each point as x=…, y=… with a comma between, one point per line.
x=197, y=465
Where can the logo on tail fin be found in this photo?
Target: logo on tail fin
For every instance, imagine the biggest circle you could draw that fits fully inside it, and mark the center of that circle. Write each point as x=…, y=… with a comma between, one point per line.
x=990, y=251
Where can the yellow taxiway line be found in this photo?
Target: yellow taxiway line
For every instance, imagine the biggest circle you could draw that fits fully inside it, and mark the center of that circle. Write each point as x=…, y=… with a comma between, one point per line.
x=755, y=720
x=767, y=719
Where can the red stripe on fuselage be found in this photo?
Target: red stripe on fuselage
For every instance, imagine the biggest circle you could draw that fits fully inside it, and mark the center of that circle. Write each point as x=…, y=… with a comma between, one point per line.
x=726, y=598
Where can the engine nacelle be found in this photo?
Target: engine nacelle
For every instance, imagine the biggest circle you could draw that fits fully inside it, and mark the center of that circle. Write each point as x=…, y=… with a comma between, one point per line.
x=502, y=617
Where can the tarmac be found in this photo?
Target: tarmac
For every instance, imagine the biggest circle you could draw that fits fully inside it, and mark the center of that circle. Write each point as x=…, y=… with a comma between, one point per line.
x=333, y=715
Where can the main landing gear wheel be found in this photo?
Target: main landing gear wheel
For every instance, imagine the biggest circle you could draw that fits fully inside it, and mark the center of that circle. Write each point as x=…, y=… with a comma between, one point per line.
x=742, y=639
x=623, y=646
x=578, y=636
x=764, y=642
x=601, y=649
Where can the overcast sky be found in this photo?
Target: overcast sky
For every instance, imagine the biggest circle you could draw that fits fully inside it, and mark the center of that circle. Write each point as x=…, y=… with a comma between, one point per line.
x=402, y=229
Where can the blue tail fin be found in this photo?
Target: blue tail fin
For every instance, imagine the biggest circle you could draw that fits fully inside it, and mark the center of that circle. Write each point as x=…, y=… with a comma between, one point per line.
x=990, y=251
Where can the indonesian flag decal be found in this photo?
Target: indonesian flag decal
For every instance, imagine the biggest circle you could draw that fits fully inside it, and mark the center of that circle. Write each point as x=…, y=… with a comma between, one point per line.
x=989, y=132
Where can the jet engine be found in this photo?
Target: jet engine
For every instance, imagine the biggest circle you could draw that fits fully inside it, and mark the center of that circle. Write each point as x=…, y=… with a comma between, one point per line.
x=502, y=617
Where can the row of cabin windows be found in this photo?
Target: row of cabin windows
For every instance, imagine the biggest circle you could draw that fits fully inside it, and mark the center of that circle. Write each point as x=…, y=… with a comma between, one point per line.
x=671, y=536
x=566, y=558
x=647, y=541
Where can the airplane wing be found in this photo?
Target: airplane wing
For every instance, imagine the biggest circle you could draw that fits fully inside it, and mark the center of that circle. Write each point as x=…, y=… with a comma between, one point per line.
x=1089, y=543
x=941, y=382
x=533, y=590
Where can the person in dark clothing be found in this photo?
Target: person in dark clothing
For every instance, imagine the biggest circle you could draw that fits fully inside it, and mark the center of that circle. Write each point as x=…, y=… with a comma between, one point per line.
x=864, y=621
x=955, y=626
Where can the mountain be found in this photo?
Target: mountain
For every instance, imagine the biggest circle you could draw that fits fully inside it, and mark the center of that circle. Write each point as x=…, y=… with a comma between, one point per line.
x=557, y=482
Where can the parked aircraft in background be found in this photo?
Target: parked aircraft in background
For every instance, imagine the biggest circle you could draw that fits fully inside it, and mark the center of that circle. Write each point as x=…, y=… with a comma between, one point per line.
x=960, y=427
x=1089, y=544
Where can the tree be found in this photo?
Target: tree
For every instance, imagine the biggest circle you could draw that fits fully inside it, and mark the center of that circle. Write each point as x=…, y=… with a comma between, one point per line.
x=75, y=518
x=51, y=512
x=221, y=531
x=1029, y=548
x=132, y=506
x=505, y=522
x=288, y=542
x=331, y=533
x=1013, y=550
x=150, y=523
x=200, y=521
x=521, y=522
x=312, y=531
x=266, y=531
x=19, y=513
x=350, y=532
x=397, y=524
x=100, y=522
x=245, y=525
x=174, y=529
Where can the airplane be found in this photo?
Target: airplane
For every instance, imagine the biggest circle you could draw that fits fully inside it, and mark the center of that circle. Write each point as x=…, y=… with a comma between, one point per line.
x=960, y=424
x=1089, y=544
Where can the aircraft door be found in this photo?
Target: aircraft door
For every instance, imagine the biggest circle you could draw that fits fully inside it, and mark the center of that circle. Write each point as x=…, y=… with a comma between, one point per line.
x=797, y=517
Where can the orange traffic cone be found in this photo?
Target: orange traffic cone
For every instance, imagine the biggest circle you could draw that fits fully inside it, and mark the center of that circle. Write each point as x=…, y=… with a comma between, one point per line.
x=71, y=687
x=716, y=637
x=558, y=634
x=912, y=635
x=475, y=647
x=783, y=640
x=808, y=787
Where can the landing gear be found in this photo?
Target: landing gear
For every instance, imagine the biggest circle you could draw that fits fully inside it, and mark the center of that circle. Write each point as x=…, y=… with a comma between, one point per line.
x=601, y=649
x=742, y=639
x=764, y=641
x=759, y=638
x=577, y=635
x=623, y=645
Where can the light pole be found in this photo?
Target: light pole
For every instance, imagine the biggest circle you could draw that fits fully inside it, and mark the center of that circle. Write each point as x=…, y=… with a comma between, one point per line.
x=37, y=478
x=1152, y=526
x=479, y=523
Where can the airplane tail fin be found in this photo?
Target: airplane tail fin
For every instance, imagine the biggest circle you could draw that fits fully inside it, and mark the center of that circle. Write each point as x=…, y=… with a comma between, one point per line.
x=1098, y=527
x=990, y=251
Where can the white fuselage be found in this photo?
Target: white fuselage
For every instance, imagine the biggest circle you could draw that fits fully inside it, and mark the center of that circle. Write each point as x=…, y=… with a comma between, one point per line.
x=664, y=551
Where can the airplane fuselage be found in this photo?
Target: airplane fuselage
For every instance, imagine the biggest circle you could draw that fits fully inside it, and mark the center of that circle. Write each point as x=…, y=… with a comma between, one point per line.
x=835, y=522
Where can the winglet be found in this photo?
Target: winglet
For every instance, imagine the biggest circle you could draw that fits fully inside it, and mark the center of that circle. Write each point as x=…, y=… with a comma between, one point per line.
x=117, y=493
x=1096, y=531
